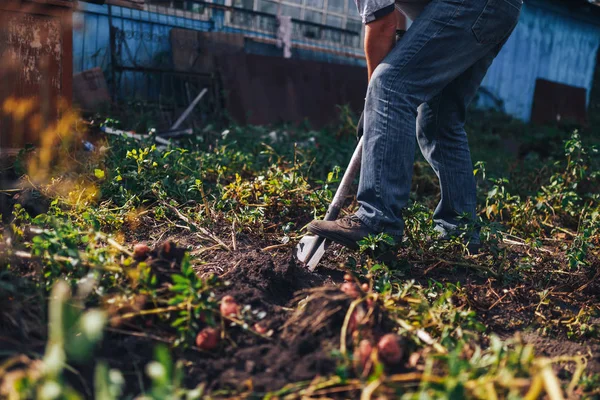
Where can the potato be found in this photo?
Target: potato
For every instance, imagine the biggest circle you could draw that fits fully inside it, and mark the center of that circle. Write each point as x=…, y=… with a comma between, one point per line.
x=357, y=319
x=166, y=248
x=207, y=339
x=260, y=328
x=229, y=307
x=350, y=289
x=390, y=349
x=140, y=252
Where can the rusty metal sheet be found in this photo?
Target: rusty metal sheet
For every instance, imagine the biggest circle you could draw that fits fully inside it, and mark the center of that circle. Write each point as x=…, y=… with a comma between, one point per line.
x=554, y=102
x=194, y=51
x=264, y=90
x=90, y=90
x=58, y=3
x=35, y=65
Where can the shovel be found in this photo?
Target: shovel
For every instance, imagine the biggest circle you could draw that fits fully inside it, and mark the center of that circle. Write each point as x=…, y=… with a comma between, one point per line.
x=311, y=248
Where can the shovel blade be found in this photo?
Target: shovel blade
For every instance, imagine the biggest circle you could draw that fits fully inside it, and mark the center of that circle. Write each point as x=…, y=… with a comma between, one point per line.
x=310, y=250
x=307, y=247
x=316, y=257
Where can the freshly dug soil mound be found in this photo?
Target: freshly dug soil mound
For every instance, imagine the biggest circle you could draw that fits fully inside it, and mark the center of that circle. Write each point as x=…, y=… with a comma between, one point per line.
x=256, y=278
x=269, y=285
x=305, y=313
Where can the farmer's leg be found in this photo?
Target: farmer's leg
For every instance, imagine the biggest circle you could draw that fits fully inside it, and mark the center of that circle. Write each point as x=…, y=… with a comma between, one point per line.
x=443, y=142
x=445, y=40
x=448, y=38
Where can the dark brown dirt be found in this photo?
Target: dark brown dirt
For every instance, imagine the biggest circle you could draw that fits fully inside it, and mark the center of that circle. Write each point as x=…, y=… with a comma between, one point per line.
x=554, y=347
x=268, y=284
x=301, y=349
x=302, y=344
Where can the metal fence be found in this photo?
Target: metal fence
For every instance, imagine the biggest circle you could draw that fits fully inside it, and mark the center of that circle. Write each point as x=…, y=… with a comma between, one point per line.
x=92, y=41
x=134, y=47
x=251, y=22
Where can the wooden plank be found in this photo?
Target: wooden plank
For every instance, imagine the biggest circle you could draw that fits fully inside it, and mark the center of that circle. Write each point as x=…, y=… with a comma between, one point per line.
x=264, y=90
x=90, y=89
x=194, y=51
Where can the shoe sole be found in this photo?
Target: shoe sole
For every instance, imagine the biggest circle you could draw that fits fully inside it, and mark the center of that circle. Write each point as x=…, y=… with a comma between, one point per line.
x=333, y=237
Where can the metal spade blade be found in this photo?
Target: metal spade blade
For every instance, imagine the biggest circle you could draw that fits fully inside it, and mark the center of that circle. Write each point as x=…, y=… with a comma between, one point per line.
x=311, y=248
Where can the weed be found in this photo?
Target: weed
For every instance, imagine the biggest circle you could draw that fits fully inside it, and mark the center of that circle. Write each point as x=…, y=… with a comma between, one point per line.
x=194, y=300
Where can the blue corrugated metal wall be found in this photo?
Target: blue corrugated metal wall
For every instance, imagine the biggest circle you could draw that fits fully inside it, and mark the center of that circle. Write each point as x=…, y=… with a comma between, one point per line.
x=545, y=44
x=91, y=36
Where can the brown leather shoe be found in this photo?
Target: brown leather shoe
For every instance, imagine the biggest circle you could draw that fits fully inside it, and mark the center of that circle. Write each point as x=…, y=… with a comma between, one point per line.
x=346, y=231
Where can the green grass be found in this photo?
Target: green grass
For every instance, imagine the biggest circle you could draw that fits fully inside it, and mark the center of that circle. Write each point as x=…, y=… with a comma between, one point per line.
x=78, y=257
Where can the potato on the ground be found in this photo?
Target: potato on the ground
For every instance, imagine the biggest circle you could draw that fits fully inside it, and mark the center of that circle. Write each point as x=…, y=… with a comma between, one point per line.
x=229, y=307
x=140, y=252
x=207, y=339
x=362, y=355
x=390, y=349
x=351, y=289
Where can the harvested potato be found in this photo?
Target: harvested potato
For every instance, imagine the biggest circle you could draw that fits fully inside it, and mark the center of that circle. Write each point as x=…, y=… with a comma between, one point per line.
x=390, y=349
x=207, y=339
x=229, y=307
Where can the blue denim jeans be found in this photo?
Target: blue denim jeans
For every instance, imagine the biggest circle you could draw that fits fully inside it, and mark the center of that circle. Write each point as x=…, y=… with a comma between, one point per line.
x=420, y=93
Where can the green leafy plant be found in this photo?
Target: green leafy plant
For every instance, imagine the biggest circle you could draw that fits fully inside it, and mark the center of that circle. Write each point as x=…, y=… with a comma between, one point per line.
x=194, y=300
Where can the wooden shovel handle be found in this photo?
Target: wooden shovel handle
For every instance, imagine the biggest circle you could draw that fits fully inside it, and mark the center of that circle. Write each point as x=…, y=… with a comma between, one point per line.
x=344, y=189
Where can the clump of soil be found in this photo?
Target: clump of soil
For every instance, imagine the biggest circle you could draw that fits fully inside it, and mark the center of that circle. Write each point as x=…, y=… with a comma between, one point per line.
x=256, y=278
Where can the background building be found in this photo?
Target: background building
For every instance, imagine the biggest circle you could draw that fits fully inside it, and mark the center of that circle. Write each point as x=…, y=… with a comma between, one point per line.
x=165, y=51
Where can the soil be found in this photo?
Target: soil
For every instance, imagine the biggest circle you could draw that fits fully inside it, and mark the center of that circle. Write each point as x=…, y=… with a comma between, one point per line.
x=303, y=343
x=302, y=349
x=270, y=284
